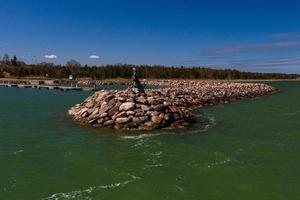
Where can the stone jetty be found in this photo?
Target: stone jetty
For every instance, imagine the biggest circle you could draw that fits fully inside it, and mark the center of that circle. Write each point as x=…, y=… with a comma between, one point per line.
x=165, y=108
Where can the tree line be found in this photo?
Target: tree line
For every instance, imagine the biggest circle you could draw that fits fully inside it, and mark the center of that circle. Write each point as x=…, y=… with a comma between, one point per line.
x=18, y=69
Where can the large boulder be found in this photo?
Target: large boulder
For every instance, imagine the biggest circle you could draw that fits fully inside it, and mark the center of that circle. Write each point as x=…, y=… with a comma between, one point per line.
x=122, y=120
x=127, y=106
x=145, y=107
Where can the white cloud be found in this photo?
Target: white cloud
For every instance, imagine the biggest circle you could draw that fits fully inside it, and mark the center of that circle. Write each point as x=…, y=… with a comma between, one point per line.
x=94, y=57
x=51, y=56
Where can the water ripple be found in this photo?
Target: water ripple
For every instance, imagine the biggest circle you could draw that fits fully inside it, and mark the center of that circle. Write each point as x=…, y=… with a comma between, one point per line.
x=293, y=113
x=18, y=152
x=137, y=137
x=85, y=193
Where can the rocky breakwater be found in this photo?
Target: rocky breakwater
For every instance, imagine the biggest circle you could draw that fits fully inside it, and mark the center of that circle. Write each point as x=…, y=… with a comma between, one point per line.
x=161, y=108
x=129, y=109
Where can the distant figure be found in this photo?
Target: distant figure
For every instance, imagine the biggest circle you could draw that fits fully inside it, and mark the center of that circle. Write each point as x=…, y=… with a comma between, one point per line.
x=71, y=77
x=136, y=82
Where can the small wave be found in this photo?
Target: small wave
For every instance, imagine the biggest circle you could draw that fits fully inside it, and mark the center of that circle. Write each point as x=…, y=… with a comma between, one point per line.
x=222, y=162
x=211, y=123
x=205, y=124
x=17, y=152
x=154, y=160
x=136, y=137
x=212, y=120
x=154, y=165
x=206, y=127
x=86, y=192
x=179, y=188
x=240, y=150
x=157, y=153
x=139, y=143
x=292, y=113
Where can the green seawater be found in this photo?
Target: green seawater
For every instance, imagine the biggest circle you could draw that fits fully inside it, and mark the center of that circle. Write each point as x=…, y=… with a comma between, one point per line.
x=249, y=149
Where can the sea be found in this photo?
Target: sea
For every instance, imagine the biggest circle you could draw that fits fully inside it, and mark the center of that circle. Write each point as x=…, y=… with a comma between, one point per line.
x=245, y=150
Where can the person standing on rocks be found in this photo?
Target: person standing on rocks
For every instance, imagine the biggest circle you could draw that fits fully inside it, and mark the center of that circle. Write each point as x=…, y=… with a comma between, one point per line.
x=136, y=82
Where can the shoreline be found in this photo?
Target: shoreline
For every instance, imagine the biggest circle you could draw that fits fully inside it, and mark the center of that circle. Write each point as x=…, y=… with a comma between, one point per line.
x=166, y=108
x=128, y=80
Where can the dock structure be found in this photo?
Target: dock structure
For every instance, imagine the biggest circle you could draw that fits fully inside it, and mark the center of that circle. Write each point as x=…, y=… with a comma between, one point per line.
x=41, y=85
x=46, y=87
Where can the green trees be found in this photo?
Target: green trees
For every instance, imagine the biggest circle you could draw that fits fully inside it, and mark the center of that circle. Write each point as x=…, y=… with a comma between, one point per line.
x=1, y=73
x=6, y=59
x=125, y=71
x=73, y=63
x=14, y=61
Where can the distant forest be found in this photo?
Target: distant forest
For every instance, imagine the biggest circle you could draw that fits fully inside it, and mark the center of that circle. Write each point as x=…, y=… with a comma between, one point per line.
x=18, y=69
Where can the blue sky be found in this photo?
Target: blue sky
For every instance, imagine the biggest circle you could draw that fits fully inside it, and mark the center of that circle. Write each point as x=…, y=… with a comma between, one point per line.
x=251, y=35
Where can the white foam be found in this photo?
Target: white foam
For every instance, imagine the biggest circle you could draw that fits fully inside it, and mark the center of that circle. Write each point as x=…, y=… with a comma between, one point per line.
x=222, y=162
x=179, y=188
x=140, y=143
x=86, y=192
x=136, y=137
x=211, y=122
x=157, y=153
x=17, y=152
x=154, y=165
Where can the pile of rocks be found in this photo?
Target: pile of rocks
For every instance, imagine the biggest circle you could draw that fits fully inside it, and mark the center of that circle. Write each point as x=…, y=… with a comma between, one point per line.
x=130, y=109
x=160, y=108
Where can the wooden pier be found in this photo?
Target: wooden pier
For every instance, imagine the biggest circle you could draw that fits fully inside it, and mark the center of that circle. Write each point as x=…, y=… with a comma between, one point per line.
x=45, y=84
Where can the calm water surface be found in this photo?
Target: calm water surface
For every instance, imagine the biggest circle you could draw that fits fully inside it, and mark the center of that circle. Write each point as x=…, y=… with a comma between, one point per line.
x=244, y=150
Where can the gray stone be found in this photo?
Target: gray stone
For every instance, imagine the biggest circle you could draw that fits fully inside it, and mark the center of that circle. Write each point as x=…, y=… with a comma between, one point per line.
x=112, y=102
x=113, y=110
x=130, y=125
x=95, y=111
x=151, y=100
x=92, y=121
x=127, y=106
x=121, y=114
x=122, y=120
x=119, y=126
x=130, y=112
x=137, y=120
x=141, y=100
x=104, y=108
x=145, y=107
x=144, y=118
x=150, y=124
x=109, y=97
x=156, y=119
x=85, y=114
x=89, y=104
x=160, y=107
x=101, y=95
x=100, y=121
x=108, y=123
x=103, y=115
